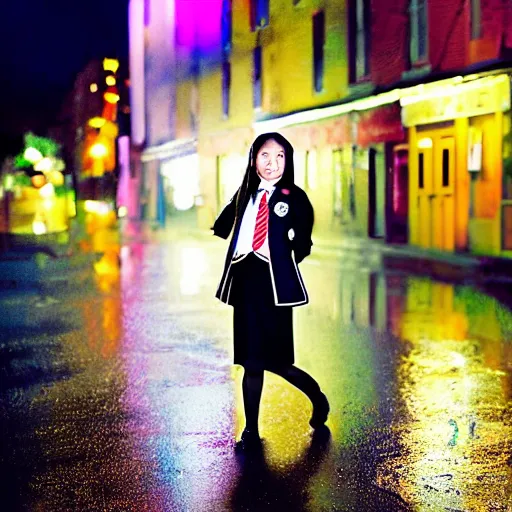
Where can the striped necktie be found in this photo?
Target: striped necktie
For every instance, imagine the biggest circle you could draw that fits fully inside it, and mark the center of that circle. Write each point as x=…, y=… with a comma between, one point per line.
x=261, y=227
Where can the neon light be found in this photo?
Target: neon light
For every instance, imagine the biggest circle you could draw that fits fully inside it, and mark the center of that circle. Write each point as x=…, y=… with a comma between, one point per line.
x=111, y=65
x=137, y=76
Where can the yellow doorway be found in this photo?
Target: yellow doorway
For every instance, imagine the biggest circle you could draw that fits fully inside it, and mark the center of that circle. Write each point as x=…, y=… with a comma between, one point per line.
x=436, y=191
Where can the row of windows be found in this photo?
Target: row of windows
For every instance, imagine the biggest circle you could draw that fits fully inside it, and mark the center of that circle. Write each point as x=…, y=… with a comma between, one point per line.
x=359, y=24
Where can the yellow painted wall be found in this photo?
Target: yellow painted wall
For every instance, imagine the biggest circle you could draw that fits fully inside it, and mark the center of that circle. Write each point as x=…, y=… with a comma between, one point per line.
x=319, y=187
x=361, y=196
x=462, y=185
x=288, y=56
x=485, y=224
x=488, y=183
x=287, y=64
x=287, y=85
x=438, y=215
x=480, y=233
x=207, y=212
x=183, y=106
x=413, y=187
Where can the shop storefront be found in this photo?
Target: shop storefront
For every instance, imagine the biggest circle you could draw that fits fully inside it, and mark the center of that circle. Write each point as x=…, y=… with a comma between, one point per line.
x=455, y=163
x=380, y=187
x=171, y=179
x=222, y=164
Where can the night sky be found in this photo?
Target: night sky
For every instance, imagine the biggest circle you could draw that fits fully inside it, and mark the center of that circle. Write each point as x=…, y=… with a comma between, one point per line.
x=43, y=45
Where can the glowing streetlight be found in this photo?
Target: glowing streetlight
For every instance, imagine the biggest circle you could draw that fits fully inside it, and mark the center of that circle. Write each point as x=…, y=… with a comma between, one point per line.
x=98, y=150
x=32, y=155
x=111, y=96
x=96, y=122
x=110, y=65
x=44, y=165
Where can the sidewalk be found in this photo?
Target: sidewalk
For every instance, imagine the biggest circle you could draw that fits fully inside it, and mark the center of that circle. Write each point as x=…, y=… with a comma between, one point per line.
x=438, y=264
x=54, y=262
x=42, y=262
x=453, y=267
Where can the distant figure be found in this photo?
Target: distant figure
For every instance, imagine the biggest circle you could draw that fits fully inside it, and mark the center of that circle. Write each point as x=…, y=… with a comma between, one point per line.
x=273, y=222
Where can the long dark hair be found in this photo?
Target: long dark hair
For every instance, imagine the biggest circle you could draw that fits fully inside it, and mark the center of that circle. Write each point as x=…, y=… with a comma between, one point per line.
x=251, y=178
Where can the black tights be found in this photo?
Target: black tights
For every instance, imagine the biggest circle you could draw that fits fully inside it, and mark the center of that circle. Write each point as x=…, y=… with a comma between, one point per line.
x=252, y=387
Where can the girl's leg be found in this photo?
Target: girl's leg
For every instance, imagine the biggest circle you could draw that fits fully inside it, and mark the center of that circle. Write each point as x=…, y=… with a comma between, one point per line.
x=309, y=386
x=252, y=387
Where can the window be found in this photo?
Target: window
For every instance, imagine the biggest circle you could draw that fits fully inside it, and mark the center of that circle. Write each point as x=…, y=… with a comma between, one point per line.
x=259, y=14
x=226, y=25
x=318, y=50
x=256, y=77
x=418, y=44
x=476, y=19
x=226, y=35
x=421, y=171
x=446, y=167
x=147, y=18
x=359, y=40
x=226, y=86
x=506, y=227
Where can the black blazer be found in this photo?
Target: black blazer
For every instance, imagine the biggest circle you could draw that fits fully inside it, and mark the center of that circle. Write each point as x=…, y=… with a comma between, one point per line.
x=290, y=222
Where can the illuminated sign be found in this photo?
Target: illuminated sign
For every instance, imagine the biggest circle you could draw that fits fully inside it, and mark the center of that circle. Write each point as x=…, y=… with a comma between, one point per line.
x=469, y=99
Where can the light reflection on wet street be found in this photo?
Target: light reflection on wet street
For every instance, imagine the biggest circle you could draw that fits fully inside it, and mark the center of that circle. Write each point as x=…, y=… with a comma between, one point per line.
x=119, y=394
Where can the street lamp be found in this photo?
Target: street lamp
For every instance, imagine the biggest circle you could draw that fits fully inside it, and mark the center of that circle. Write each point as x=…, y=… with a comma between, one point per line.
x=98, y=150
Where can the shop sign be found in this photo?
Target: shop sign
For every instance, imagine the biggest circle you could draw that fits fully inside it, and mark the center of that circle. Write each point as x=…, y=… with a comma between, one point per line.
x=470, y=99
x=475, y=137
x=382, y=124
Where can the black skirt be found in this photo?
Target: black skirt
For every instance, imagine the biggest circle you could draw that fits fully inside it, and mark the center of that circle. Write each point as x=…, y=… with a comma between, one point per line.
x=262, y=331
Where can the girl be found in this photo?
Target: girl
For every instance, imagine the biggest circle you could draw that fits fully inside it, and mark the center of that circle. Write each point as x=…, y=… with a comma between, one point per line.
x=273, y=222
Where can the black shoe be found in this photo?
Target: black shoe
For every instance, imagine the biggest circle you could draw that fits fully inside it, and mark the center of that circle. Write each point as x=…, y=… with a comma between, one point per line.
x=249, y=441
x=320, y=412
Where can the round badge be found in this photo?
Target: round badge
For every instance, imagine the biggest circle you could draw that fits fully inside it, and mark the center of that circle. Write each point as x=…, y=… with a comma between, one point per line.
x=281, y=209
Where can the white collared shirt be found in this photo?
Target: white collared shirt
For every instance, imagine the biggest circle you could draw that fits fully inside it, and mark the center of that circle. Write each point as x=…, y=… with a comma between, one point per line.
x=246, y=234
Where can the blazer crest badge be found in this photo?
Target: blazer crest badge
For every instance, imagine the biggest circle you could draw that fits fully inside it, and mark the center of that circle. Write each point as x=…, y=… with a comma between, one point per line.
x=281, y=209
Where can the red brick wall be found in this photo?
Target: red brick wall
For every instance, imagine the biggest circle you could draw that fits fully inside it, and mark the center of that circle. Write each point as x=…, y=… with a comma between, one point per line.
x=494, y=21
x=389, y=40
x=450, y=47
x=448, y=22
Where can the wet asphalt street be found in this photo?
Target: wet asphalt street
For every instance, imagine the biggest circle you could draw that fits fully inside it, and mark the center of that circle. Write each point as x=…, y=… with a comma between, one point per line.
x=117, y=393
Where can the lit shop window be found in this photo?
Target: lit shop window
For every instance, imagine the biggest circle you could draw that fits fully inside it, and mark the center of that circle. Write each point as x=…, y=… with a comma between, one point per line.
x=183, y=185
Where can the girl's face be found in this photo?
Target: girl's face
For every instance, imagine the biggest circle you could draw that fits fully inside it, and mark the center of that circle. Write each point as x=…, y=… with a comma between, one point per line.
x=270, y=160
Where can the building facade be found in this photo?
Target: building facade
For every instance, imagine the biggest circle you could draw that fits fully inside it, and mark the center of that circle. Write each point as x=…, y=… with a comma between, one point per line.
x=398, y=110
